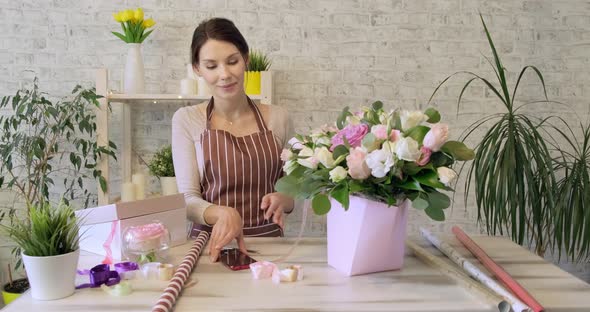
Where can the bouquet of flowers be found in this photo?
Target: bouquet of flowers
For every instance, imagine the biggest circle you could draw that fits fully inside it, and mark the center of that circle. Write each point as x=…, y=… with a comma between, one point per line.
x=384, y=156
x=133, y=25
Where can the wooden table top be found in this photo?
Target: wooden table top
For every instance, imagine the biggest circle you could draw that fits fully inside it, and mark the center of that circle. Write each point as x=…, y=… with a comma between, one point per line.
x=417, y=287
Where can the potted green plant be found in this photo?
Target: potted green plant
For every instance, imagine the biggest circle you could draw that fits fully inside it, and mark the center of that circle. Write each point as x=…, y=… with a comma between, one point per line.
x=46, y=144
x=514, y=171
x=258, y=65
x=162, y=167
x=49, y=241
x=14, y=288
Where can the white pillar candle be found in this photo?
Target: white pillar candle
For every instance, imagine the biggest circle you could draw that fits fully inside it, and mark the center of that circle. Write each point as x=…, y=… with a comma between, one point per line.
x=203, y=88
x=128, y=192
x=139, y=181
x=188, y=86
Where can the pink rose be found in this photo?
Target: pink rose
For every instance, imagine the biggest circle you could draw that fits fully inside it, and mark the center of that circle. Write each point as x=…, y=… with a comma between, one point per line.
x=357, y=168
x=436, y=137
x=379, y=131
x=395, y=135
x=354, y=134
x=424, y=156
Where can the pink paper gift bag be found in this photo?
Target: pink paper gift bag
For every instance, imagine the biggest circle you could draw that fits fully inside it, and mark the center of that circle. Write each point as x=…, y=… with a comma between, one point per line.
x=369, y=237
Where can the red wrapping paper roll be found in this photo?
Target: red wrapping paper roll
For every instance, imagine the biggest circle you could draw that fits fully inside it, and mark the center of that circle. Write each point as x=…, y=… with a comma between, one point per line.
x=171, y=293
x=497, y=270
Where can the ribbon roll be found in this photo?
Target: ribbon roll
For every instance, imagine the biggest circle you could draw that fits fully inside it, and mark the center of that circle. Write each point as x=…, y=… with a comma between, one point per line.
x=99, y=275
x=127, y=270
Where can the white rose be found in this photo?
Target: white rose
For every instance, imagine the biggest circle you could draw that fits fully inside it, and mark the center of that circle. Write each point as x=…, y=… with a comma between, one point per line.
x=324, y=156
x=289, y=166
x=411, y=119
x=380, y=162
x=338, y=174
x=310, y=161
x=295, y=144
x=407, y=149
x=446, y=175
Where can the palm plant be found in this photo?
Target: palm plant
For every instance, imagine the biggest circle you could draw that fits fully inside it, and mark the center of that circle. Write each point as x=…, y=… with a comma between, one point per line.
x=572, y=231
x=512, y=171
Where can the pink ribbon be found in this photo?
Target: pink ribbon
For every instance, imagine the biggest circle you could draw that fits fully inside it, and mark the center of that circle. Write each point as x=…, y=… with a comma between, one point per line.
x=108, y=259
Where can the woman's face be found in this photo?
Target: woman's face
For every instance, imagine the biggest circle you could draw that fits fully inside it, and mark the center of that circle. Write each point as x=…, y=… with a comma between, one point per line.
x=222, y=66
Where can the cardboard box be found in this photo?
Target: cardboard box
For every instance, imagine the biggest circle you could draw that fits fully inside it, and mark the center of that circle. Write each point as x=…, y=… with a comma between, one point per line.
x=102, y=227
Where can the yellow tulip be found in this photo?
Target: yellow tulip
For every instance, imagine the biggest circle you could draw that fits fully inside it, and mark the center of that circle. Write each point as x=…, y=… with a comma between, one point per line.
x=117, y=17
x=138, y=15
x=127, y=15
x=148, y=23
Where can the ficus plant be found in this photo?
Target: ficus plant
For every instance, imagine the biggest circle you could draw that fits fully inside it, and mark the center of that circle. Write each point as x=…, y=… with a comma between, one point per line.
x=48, y=144
x=514, y=172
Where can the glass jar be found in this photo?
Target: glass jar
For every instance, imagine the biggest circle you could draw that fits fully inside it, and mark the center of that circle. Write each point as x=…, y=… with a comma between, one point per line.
x=146, y=243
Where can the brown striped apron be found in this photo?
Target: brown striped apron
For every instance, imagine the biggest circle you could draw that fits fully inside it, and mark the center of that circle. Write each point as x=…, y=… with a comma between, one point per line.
x=239, y=171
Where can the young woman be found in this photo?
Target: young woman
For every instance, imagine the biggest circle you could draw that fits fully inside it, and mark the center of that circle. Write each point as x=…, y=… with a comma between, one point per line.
x=226, y=151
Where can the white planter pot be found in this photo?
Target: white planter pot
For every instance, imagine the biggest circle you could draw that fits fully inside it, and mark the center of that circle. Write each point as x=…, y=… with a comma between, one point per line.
x=168, y=185
x=52, y=277
x=133, y=80
x=369, y=237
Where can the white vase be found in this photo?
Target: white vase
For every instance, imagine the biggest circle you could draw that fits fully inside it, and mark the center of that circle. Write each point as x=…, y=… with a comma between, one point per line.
x=133, y=80
x=52, y=277
x=168, y=185
x=368, y=237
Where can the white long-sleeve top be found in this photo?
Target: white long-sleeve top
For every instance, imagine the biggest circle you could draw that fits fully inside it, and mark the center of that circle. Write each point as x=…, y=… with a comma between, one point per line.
x=187, y=125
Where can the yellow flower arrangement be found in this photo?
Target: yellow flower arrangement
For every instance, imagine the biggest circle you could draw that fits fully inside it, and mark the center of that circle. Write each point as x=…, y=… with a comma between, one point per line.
x=134, y=26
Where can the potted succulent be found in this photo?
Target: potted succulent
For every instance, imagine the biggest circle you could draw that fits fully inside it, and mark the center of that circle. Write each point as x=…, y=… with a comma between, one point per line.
x=48, y=143
x=258, y=65
x=365, y=173
x=162, y=167
x=49, y=241
x=521, y=187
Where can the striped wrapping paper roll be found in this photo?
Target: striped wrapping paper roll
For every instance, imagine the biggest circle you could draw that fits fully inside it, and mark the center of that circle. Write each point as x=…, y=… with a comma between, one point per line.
x=168, y=298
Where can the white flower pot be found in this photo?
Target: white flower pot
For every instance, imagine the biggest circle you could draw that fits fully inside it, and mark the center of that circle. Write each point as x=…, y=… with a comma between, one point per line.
x=168, y=185
x=369, y=237
x=133, y=80
x=52, y=277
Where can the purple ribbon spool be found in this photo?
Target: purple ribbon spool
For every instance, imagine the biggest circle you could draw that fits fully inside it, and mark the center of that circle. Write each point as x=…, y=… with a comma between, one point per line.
x=101, y=274
x=126, y=266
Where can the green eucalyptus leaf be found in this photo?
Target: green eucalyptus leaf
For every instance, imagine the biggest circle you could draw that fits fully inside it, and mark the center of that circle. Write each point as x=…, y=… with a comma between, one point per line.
x=438, y=200
x=340, y=193
x=435, y=213
x=433, y=115
x=459, y=150
x=288, y=185
x=417, y=133
x=428, y=178
x=377, y=105
x=420, y=202
x=320, y=204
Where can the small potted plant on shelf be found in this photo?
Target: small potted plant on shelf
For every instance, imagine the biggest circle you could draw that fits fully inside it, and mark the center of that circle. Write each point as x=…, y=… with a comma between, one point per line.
x=258, y=65
x=161, y=166
x=365, y=172
x=49, y=241
x=14, y=288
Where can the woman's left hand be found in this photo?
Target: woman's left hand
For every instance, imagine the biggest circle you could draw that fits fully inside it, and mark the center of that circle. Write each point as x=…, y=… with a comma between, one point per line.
x=275, y=205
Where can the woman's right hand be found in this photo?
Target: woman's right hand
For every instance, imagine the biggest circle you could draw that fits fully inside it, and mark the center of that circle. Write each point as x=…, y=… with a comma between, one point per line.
x=227, y=226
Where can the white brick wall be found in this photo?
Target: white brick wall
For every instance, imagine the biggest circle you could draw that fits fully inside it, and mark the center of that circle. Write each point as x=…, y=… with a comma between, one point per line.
x=326, y=55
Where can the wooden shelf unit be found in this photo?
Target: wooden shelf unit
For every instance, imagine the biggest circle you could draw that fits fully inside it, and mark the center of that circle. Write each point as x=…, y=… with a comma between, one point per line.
x=126, y=100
